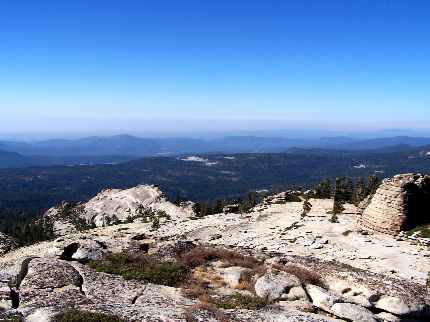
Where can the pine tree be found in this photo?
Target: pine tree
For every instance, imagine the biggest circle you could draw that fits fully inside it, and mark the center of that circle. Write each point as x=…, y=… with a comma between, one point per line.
x=360, y=192
x=373, y=184
x=307, y=207
x=197, y=208
x=324, y=190
x=348, y=190
x=339, y=197
x=252, y=199
x=219, y=207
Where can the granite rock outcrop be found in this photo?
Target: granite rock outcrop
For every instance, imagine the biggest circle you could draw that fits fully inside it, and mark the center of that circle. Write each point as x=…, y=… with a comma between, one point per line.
x=400, y=203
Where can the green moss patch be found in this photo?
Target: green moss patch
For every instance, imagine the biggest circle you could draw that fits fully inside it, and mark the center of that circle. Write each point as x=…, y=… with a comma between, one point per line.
x=142, y=267
x=84, y=316
x=240, y=301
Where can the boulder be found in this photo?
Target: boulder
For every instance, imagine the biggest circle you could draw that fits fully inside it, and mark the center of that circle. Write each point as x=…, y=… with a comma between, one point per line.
x=272, y=285
x=352, y=312
x=79, y=249
x=45, y=274
x=50, y=283
x=396, y=205
x=351, y=292
x=400, y=306
x=41, y=315
x=6, y=301
x=388, y=317
x=322, y=298
x=295, y=293
x=233, y=275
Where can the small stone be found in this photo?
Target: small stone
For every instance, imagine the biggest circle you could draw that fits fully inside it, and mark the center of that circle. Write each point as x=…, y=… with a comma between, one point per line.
x=316, y=246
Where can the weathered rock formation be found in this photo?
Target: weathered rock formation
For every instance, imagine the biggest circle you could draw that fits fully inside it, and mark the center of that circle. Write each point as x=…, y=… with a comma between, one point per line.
x=400, y=203
x=113, y=206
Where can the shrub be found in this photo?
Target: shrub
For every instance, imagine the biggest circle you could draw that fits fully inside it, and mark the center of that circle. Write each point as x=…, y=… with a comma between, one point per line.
x=304, y=275
x=73, y=213
x=333, y=218
x=289, y=197
x=307, y=207
x=85, y=316
x=149, y=215
x=11, y=317
x=141, y=267
x=196, y=289
x=424, y=232
x=240, y=301
x=201, y=255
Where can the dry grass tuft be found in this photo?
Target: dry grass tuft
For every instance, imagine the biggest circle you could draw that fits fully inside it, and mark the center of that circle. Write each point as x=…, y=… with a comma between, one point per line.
x=210, y=276
x=196, y=289
x=200, y=255
x=304, y=275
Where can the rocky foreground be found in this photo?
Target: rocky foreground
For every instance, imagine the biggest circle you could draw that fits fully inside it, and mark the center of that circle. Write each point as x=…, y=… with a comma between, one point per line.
x=158, y=262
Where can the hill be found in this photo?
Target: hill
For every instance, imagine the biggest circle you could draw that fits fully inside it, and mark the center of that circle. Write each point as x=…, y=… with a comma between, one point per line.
x=16, y=160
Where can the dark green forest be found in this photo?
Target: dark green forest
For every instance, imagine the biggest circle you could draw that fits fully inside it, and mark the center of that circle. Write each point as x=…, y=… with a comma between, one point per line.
x=27, y=192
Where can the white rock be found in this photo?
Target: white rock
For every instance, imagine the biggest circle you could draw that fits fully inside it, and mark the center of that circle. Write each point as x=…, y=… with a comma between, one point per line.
x=398, y=306
x=388, y=317
x=233, y=275
x=88, y=251
x=296, y=293
x=316, y=246
x=352, y=312
x=351, y=292
x=272, y=286
x=322, y=298
x=5, y=297
x=300, y=305
x=41, y=315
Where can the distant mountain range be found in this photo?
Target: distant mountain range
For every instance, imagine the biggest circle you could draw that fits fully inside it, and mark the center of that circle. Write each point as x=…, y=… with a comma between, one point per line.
x=120, y=148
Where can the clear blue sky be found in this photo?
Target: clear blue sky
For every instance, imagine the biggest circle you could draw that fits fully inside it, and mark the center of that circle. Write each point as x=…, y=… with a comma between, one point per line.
x=113, y=64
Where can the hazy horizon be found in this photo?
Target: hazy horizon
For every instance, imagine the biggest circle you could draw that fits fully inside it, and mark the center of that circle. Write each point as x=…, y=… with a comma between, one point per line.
x=212, y=132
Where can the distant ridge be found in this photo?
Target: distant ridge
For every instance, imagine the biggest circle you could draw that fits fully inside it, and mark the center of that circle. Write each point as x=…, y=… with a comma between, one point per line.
x=124, y=147
x=16, y=160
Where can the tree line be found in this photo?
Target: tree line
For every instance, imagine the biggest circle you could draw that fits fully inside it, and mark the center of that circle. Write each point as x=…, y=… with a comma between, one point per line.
x=21, y=225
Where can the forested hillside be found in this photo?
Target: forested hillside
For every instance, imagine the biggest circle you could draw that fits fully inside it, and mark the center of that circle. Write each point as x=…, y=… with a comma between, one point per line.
x=204, y=178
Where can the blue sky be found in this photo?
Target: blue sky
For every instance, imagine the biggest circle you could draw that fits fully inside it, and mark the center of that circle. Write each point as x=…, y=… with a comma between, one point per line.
x=124, y=65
